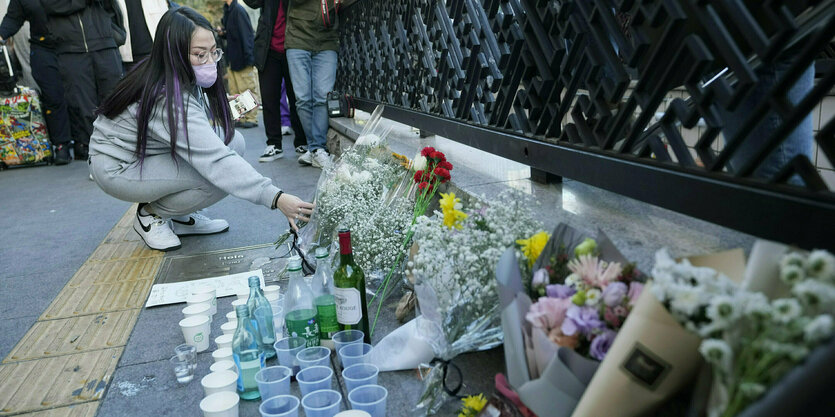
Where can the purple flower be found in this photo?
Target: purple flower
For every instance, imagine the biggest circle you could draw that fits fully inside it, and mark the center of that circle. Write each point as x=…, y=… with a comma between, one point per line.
x=635, y=289
x=540, y=278
x=601, y=344
x=559, y=291
x=580, y=319
x=614, y=293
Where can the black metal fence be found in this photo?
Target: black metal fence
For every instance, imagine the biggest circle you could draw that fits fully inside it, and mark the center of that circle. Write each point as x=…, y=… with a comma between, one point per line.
x=577, y=88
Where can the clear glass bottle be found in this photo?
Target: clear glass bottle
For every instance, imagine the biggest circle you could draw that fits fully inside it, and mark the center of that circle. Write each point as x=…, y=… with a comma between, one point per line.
x=261, y=315
x=322, y=287
x=299, y=309
x=349, y=289
x=247, y=354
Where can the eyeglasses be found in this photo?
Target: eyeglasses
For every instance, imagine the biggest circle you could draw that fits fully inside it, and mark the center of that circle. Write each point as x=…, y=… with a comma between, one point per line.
x=203, y=57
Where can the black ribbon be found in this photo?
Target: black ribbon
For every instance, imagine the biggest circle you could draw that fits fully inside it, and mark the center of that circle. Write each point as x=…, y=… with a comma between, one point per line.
x=445, y=367
x=307, y=268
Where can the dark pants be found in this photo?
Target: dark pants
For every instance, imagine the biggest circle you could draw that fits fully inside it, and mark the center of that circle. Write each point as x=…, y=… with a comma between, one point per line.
x=88, y=78
x=46, y=73
x=276, y=70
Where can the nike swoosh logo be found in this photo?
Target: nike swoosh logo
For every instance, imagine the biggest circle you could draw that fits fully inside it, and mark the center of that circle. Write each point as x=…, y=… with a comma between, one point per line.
x=190, y=221
x=145, y=228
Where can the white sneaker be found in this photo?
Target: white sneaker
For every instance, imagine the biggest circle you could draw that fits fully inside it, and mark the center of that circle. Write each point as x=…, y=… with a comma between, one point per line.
x=198, y=224
x=321, y=158
x=306, y=158
x=287, y=130
x=271, y=153
x=155, y=231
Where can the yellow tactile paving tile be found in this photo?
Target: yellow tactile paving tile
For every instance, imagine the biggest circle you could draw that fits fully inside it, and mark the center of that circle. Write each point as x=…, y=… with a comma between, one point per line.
x=74, y=335
x=112, y=272
x=123, y=250
x=55, y=382
x=123, y=230
x=87, y=409
x=90, y=299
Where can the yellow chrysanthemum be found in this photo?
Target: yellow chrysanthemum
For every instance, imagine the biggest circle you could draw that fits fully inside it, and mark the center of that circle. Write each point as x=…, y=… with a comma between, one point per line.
x=448, y=201
x=472, y=405
x=450, y=206
x=533, y=246
x=404, y=160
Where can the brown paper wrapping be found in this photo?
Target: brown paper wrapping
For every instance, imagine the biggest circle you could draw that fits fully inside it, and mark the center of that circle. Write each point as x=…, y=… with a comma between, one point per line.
x=652, y=358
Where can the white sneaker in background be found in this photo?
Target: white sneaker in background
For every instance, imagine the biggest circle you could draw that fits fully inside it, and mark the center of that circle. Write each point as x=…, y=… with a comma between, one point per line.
x=306, y=158
x=287, y=130
x=197, y=224
x=155, y=231
x=321, y=158
x=271, y=153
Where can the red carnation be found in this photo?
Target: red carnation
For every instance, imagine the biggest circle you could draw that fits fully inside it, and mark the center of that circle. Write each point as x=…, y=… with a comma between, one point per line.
x=427, y=151
x=418, y=176
x=437, y=156
x=445, y=165
x=425, y=185
x=442, y=173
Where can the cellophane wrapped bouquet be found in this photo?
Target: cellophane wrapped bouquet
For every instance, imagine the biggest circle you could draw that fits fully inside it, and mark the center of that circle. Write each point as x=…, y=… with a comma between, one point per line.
x=454, y=269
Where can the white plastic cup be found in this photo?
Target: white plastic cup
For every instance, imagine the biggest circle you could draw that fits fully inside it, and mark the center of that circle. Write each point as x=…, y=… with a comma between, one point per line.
x=269, y=290
x=369, y=398
x=224, y=341
x=231, y=316
x=323, y=403
x=202, y=309
x=229, y=327
x=280, y=406
x=237, y=303
x=352, y=413
x=203, y=298
x=355, y=353
x=196, y=331
x=243, y=294
x=219, y=381
x=222, y=354
x=220, y=404
x=224, y=365
x=314, y=378
x=206, y=289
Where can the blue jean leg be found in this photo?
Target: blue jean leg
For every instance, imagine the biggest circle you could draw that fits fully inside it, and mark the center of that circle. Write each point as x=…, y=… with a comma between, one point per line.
x=313, y=75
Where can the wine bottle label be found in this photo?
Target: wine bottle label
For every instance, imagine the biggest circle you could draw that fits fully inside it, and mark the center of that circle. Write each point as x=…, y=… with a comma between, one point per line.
x=348, y=310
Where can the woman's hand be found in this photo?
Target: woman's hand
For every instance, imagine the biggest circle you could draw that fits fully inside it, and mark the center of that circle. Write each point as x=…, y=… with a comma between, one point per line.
x=295, y=209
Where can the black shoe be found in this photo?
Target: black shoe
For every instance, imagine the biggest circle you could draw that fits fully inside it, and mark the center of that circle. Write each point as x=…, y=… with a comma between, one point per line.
x=301, y=149
x=62, y=154
x=245, y=125
x=80, y=150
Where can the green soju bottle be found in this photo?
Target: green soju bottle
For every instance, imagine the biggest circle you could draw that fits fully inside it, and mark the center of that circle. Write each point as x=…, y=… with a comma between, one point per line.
x=299, y=310
x=246, y=351
x=349, y=291
x=261, y=315
x=322, y=287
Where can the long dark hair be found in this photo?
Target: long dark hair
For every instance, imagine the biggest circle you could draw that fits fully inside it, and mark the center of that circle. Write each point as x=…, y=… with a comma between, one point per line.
x=164, y=75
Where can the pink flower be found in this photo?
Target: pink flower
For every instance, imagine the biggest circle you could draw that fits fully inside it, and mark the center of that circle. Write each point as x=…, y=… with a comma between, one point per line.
x=595, y=272
x=621, y=311
x=611, y=317
x=548, y=313
x=635, y=289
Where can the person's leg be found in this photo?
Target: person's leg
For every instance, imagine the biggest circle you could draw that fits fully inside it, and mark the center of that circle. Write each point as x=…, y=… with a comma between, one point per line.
x=285, y=108
x=46, y=73
x=300, y=139
x=247, y=81
x=78, y=77
x=299, y=65
x=108, y=67
x=270, y=96
x=323, y=76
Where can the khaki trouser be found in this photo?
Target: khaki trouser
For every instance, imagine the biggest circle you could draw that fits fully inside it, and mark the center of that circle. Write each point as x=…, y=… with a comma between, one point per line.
x=240, y=81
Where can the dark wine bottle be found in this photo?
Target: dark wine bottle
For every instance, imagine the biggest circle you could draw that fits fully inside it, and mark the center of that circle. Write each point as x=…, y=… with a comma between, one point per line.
x=349, y=290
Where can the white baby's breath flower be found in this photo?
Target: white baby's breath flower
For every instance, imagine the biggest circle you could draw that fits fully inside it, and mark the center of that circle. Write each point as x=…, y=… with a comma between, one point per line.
x=792, y=274
x=821, y=265
x=718, y=353
x=593, y=297
x=785, y=309
x=819, y=329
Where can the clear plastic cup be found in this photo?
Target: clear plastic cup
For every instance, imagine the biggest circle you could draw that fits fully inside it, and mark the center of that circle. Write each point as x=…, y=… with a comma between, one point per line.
x=314, y=379
x=355, y=353
x=220, y=404
x=182, y=369
x=286, y=350
x=229, y=327
x=219, y=381
x=196, y=331
x=280, y=406
x=278, y=320
x=358, y=375
x=224, y=341
x=225, y=365
x=324, y=403
x=369, y=398
x=222, y=354
x=273, y=380
x=314, y=356
x=346, y=337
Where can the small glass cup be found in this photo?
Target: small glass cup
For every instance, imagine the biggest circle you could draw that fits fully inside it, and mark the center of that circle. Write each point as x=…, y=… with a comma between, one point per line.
x=187, y=353
x=355, y=353
x=323, y=403
x=314, y=356
x=182, y=369
x=369, y=398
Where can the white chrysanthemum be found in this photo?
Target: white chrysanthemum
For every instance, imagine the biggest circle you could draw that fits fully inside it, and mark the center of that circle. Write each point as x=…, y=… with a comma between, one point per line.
x=792, y=274
x=756, y=304
x=722, y=310
x=785, y=309
x=593, y=297
x=717, y=352
x=818, y=329
x=686, y=300
x=814, y=293
x=794, y=259
x=821, y=265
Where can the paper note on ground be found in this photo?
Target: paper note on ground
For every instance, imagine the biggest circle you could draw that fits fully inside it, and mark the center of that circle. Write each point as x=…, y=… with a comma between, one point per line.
x=177, y=292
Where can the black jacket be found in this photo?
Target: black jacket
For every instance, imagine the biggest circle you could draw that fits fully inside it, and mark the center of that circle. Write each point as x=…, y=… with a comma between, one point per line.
x=239, y=36
x=264, y=33
x=83, y=25
x=19, y=12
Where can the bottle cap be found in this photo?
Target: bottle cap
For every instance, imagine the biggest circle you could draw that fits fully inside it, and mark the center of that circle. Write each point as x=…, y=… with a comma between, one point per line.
x=321, y=252
x=294, y=263
x=344, y=241
x=242, y=311
x=254, y=282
